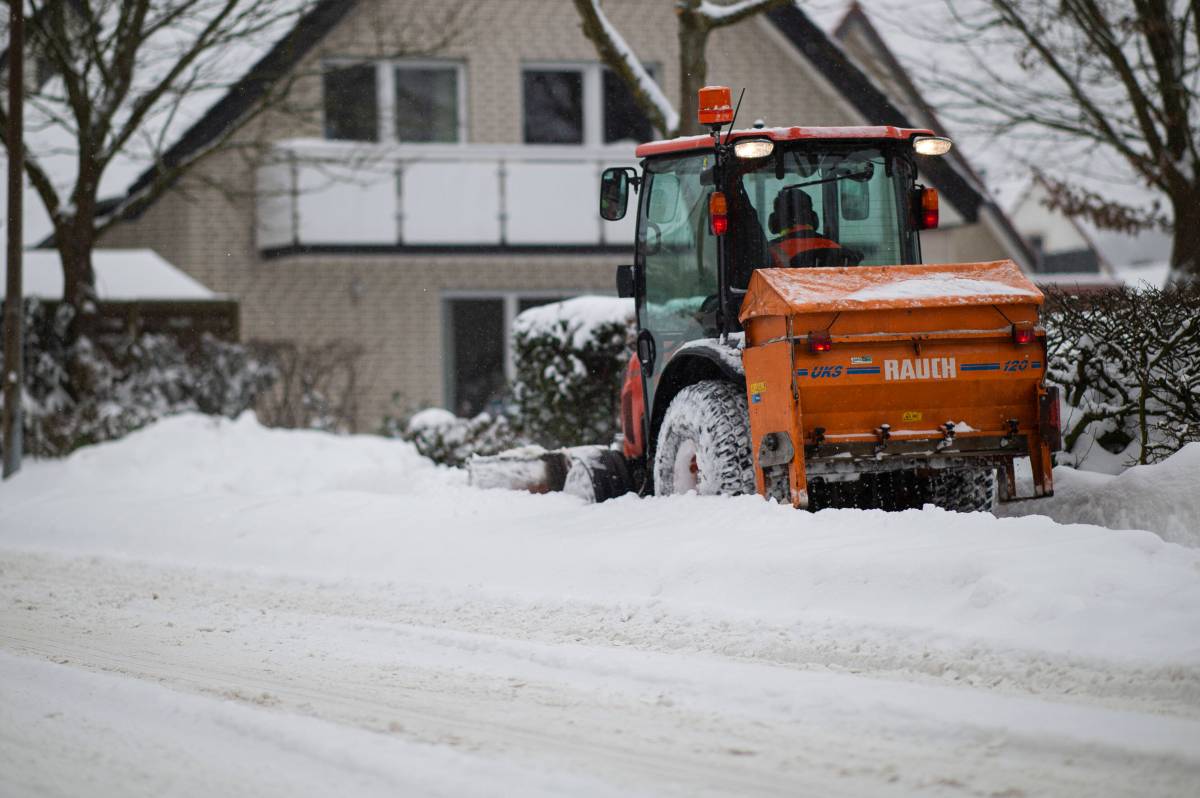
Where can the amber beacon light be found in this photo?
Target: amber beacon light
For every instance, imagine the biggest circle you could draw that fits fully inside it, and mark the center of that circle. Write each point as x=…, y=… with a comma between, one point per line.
x=716, y=105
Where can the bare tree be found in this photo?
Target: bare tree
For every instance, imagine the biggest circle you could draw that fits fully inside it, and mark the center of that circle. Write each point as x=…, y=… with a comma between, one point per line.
x=1096, y=77
x=120, y=81
x=696, y=20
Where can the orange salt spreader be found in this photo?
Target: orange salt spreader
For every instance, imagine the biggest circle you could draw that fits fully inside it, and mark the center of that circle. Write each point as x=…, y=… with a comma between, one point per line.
x=791, y=342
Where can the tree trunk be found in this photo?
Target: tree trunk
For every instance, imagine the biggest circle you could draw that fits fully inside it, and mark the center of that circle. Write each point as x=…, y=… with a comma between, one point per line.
x=693, y=68
x=75, y=240
x=1185, y=247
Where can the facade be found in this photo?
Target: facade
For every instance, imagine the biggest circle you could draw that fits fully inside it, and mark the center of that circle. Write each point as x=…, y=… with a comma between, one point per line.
x=431, y=197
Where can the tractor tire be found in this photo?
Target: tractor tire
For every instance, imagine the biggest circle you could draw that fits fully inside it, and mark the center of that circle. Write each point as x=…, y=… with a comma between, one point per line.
x=704, y=442
x=964, y=490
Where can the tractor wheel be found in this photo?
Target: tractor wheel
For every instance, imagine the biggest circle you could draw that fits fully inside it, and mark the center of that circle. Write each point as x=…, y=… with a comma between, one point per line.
x=964, y=490
x=704, y=442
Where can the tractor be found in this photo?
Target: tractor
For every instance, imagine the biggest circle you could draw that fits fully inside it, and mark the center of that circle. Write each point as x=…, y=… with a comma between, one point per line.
x=792, y=344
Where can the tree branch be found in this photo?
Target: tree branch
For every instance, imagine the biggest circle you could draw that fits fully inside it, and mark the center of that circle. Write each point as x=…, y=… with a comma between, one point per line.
x=620, y=58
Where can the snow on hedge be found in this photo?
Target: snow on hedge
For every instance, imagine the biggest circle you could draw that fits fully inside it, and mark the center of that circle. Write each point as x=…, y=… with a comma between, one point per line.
x=571, y=357
x=574, y=321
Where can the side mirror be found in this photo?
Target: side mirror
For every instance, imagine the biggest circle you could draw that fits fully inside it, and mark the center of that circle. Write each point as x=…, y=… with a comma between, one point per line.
x=625, y=282
x=614, y=193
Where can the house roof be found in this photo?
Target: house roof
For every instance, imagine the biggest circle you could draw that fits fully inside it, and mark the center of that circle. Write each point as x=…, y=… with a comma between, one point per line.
x=122, y=275
x=852, y=83
x=240, y=98
x=808, y=38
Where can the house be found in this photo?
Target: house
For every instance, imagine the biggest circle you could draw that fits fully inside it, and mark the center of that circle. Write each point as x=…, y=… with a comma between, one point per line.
x=433, y=197
x=136, y=291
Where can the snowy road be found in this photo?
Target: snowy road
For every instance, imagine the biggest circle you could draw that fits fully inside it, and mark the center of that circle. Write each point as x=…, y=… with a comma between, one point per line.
x=371, y=626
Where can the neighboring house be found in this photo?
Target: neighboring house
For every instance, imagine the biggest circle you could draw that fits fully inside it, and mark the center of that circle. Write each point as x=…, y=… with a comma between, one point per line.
x=1060, y=243
x=434, y=198
x=137, y=291
x=863, y=44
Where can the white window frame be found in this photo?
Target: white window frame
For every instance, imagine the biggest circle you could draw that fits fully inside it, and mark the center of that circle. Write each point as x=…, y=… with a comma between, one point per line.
x=385, y=93
x=593, y=98
x=511, y=299
x=385, y=80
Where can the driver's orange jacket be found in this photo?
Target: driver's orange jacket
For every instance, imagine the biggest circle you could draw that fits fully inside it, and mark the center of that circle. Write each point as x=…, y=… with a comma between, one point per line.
x=795, y=240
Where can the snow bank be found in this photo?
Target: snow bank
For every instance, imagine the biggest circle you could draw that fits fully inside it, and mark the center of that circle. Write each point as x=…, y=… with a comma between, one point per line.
x=197, y=455
x=715, y=573
x=579, y=318
x=1164, y=498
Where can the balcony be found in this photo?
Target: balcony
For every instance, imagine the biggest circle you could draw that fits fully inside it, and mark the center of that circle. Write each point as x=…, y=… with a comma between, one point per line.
x=332, y=195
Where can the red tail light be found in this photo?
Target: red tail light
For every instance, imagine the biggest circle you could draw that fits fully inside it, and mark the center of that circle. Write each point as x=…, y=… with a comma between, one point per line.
x=718, y=213
x=819, y=342
x=1023, y=333
x=926, y=208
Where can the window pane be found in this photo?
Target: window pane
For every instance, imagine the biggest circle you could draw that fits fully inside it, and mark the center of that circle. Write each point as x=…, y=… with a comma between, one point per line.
x=351, y=104
x=622, y=119
x=477, y=352
x=427, y=104
x=679, y=254
x=553, y=107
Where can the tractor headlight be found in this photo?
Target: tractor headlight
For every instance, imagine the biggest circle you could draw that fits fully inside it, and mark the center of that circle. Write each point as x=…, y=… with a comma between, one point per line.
x=932, y=145
x=749, y=149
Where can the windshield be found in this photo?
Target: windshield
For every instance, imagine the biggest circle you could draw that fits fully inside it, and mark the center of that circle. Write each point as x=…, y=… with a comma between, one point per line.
x=806, y=207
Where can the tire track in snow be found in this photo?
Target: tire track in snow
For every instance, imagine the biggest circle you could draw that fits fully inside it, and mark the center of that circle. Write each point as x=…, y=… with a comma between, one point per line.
x=617, y=704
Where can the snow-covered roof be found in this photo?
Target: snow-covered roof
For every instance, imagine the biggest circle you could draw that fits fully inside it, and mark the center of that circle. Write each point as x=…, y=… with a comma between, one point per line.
x=122, y=275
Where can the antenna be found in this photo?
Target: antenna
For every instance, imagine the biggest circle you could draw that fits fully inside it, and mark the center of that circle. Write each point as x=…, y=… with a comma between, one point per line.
x=736, y=108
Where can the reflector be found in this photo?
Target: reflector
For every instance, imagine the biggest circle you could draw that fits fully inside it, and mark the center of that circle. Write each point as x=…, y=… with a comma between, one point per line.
x=718, y=211
x=1023, y=333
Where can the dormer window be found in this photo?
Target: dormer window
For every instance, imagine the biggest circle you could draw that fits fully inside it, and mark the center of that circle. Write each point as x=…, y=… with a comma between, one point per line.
x=403, y=101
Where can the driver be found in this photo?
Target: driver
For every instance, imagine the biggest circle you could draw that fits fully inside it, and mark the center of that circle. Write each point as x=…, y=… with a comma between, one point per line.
x=795, y=222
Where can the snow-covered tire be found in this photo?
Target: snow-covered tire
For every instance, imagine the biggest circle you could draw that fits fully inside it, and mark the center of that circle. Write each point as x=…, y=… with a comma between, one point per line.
x=964, y=490
x=704, y=442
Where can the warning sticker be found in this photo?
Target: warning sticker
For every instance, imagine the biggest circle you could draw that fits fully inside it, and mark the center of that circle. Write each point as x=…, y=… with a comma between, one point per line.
x=758, y=387
x=912, y=415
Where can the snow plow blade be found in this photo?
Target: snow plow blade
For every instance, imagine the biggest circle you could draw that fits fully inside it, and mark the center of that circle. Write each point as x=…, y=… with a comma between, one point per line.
x=593, y=473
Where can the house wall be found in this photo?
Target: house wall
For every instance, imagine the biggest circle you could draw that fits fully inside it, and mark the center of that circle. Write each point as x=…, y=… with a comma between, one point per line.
x=391, y=305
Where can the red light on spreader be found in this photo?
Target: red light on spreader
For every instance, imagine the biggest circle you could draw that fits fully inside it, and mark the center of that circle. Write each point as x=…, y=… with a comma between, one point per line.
x=819, y=342
x=1023, y=333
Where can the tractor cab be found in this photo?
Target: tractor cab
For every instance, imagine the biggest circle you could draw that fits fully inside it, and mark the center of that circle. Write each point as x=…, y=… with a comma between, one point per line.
x=713, y=209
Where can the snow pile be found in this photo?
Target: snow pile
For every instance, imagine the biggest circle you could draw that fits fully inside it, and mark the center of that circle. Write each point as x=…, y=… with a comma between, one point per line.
x=574, y=321
x=193, y=455
x=738, y=575
x=1163, y=497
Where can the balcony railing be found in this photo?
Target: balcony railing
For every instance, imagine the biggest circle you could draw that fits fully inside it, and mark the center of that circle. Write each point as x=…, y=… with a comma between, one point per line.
x=326, y=194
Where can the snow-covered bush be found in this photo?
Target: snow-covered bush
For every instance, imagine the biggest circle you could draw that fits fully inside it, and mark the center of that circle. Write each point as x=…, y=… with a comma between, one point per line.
x=87, y=392
x=571, y=357
x=447, y=439
x=1128, y=363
